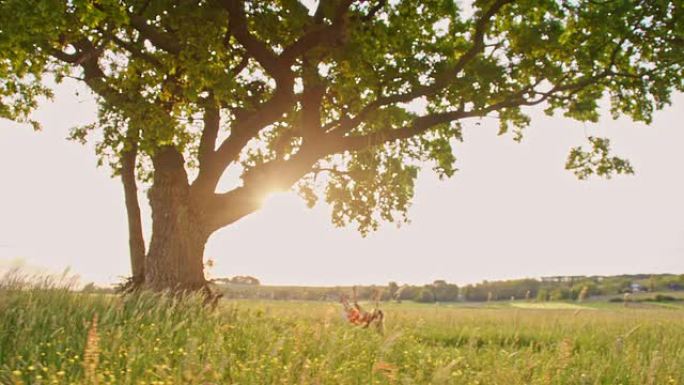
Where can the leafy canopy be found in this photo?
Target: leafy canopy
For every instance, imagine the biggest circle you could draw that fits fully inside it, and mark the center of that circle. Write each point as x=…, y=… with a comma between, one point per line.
x=325, y=96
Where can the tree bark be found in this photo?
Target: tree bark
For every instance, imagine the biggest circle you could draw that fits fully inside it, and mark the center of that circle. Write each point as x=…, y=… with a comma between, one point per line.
x=136, y=242
x=175, y=258
x=183, y=217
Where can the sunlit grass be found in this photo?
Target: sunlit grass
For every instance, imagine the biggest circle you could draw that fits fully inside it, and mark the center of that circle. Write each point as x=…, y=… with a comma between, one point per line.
x=152, y=339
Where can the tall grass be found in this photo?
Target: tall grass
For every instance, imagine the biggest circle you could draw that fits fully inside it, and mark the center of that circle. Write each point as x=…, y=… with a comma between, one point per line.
x=50, y=334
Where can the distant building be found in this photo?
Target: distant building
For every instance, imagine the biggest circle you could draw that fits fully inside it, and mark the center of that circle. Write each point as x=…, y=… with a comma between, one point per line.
x=637, y=288
x=564, y=278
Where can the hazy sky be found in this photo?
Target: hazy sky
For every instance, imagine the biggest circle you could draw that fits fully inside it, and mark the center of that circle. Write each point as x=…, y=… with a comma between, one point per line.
x=512, y=210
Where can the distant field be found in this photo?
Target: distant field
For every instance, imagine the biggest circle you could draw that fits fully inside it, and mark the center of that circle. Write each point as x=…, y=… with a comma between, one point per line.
x=152, y=340
x=549, y=306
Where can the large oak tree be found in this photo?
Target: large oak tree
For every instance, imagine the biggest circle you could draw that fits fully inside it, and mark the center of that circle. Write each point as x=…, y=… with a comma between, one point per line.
x=343, y=98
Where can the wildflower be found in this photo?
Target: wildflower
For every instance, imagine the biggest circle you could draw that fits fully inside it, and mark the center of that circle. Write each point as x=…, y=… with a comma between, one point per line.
x=385, y=368
x=91, y=354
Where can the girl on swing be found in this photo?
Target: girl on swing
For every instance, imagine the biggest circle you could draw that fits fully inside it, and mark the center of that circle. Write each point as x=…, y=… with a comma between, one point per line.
x=359, y=317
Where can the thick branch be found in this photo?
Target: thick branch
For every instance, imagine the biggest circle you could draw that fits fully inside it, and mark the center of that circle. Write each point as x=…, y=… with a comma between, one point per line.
x=417, y=127
x=319, y=34
x=312, y=97
x=242, y=131
x=160, y=39
x=374, y=10
x=212, y=122
x=254, y=47
x=248, y=126
x=240, y=66
x=87, y=57
x=478, y=43
x=135, y=51
x=207, y=153
x=274, y=176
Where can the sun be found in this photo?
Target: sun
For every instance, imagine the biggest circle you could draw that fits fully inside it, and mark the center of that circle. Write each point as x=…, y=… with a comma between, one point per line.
x=283, y=204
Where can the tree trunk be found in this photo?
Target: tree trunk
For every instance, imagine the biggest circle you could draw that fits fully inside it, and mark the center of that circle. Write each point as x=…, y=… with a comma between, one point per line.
x=175, y=258
x=136, y=242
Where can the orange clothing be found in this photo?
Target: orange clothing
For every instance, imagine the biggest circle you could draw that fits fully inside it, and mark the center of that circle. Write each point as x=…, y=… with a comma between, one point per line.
x=354, y=316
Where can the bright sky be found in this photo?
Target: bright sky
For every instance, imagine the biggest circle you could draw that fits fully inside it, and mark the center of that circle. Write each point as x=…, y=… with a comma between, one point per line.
x=512, y=211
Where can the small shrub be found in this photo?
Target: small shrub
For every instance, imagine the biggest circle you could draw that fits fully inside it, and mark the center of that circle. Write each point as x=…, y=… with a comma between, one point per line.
x=664, y=298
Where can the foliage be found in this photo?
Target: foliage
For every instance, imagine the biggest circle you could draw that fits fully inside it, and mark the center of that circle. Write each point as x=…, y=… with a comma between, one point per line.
x=363, y=93
x=597, y=161
x=502, y=289
x=425, y=295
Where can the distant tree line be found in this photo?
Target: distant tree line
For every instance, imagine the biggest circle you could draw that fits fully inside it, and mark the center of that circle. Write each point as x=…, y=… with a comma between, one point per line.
x=239, y=280
x=544, y=289
x=557, y=288
x=570, y=287
x=438, y=291
x=300, y=293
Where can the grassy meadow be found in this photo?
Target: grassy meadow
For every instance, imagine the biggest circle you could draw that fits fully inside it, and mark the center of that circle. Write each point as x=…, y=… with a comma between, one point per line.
x=51, y=335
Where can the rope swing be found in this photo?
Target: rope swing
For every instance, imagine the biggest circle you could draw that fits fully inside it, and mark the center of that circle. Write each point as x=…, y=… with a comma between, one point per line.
x=359, y=317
